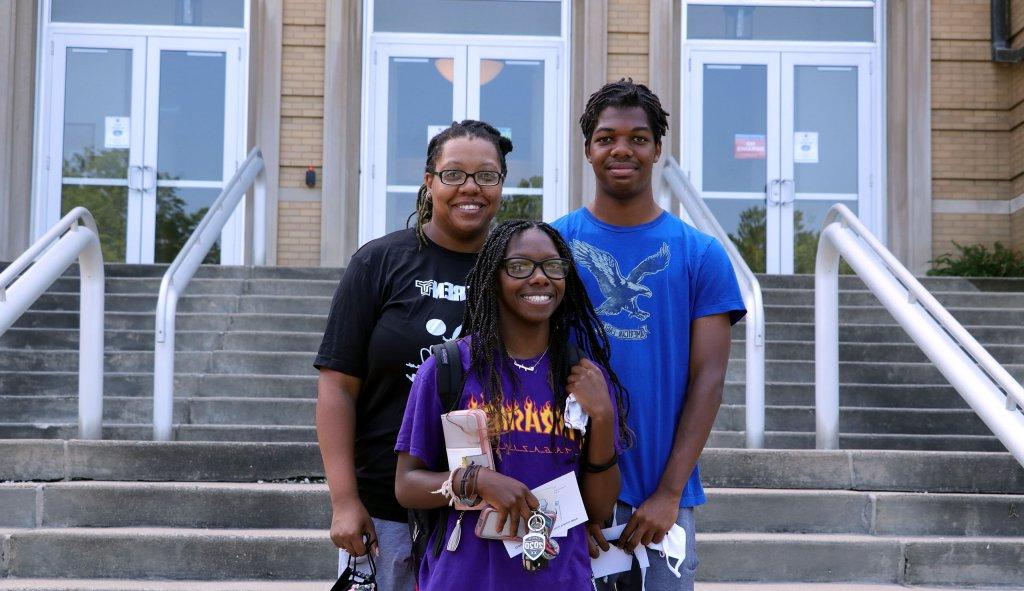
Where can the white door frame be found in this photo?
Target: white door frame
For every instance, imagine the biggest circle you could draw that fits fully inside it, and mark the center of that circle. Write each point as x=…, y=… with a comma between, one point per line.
x=47, y=95
x=372, y=213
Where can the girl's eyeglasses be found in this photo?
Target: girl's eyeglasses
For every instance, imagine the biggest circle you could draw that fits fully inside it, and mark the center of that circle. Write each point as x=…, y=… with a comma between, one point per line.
x=520, y=268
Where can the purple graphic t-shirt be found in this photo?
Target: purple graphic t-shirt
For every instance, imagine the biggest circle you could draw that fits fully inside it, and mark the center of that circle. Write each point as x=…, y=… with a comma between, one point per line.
x=534, y=451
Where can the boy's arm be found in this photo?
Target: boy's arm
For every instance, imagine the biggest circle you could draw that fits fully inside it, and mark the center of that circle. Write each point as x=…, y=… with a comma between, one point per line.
x=710, y=340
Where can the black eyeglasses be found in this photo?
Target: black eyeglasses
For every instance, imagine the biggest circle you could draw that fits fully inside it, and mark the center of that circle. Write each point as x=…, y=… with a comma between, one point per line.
x=484, y=178
x=520, y=268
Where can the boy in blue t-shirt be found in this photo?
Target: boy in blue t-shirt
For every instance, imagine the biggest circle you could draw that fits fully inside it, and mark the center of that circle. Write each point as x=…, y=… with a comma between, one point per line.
x=667, y=295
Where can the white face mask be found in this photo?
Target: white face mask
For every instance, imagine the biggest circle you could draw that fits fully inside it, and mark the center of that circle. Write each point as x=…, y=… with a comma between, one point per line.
x=673, y=548
x=574, y=416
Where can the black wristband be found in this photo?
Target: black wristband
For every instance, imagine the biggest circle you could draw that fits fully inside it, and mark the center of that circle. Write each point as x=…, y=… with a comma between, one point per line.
x=596, y=468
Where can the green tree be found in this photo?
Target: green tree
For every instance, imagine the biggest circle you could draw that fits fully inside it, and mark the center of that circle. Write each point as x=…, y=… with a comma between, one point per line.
x=750, y=237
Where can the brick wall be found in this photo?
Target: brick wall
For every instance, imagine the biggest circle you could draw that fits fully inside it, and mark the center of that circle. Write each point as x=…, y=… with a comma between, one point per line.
x=302, y=111
x=977, y=140
x=1017, y=229
x=628, y=27
x=298, y=233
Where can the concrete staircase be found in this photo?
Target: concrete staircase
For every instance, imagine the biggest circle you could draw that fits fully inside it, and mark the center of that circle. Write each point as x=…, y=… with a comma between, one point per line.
x=239, y=502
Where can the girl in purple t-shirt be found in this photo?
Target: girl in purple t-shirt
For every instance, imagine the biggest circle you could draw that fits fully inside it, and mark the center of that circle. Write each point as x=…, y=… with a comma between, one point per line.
x=526, y=302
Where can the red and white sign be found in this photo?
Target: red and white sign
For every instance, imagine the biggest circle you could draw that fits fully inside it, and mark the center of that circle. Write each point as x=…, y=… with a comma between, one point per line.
x=750, y=147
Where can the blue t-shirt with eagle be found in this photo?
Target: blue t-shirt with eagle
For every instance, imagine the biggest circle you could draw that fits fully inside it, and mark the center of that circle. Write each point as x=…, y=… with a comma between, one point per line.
x=648, y=283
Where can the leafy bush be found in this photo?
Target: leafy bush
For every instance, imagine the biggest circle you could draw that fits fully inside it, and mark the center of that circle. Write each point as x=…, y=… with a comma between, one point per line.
x=978, y=261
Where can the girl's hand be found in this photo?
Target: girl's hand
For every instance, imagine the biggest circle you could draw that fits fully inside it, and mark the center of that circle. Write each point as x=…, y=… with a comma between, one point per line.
x=587, y=382
x=508, y=496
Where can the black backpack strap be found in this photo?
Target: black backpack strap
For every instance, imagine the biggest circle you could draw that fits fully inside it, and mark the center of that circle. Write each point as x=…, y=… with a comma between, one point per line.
x=575, y=355
x=448, y=358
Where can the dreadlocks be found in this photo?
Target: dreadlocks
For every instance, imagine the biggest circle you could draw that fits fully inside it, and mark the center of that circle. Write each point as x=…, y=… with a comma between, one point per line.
x=574, y=317
x=624, y=93
x=468, y=128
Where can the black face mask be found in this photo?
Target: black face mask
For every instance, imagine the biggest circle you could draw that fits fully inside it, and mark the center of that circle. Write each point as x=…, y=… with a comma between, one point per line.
x=353, y=579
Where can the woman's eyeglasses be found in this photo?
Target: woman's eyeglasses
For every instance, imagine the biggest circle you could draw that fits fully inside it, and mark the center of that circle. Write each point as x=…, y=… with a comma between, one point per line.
x=520, y=268
x=483, y=178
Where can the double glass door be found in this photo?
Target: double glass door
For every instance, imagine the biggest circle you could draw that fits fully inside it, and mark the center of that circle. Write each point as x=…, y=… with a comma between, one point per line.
x=776, y=139
x=418, y=90
x=144, y=132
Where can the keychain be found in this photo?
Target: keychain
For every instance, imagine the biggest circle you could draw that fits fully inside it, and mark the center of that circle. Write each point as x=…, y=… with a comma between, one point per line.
x=538, y=546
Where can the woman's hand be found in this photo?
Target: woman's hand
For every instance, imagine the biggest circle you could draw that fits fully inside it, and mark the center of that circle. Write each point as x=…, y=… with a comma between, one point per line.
x=348, y=526
x=509, y=497
x=587, y=382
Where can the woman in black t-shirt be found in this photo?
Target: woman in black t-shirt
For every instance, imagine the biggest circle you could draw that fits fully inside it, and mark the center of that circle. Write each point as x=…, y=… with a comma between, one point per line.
x=399, y=295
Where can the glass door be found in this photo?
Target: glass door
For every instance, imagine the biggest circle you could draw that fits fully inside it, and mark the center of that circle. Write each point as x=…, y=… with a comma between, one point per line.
x=776, y=139
x=95, y=156
x=511, y=88
x=826, y=148
x=734, y=159
x=191, y=143
x=421, y=89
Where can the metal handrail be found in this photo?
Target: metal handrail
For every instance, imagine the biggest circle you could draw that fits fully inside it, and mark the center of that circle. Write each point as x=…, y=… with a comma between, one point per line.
x=176, y=279
x=983, y=383
x=691, y=201
x=28, y=277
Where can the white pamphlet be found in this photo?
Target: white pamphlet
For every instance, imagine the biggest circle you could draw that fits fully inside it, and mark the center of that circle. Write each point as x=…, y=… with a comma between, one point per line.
x=561, y=495
x=615, y=560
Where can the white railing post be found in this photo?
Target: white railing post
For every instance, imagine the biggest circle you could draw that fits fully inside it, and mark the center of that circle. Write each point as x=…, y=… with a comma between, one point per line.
x=826, y=344
x=692, y=206
x=32, y=273
x=983, y=383
x=176, y=279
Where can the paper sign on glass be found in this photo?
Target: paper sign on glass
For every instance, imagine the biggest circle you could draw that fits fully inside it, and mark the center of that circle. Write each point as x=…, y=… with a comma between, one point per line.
x=116, y=132
x=561, y=496
x=748, y=146
x=805, y=147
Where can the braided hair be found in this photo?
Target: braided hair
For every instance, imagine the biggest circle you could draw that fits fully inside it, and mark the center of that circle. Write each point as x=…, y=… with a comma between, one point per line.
x=574, y=317
x=624, y=93
x=468, y=128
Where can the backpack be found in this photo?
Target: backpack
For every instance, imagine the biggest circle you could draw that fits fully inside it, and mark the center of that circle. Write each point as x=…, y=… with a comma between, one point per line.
x=423, y=522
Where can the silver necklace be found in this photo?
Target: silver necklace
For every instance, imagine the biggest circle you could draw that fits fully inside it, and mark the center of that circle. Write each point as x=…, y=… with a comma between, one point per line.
x=528, y=368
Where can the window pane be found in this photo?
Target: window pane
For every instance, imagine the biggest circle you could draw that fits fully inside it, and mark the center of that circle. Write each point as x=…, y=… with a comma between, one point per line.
x=97, y=109
x=191, y=124
x=195, y=13
x=825, y=110
x=776, y=23
x=512, y=99
x=745, y=222
x=520, y=207
x=178, y=211
x=735, y=128
x=486, y=17
x=807, y=218
x=109, y=206
x=420, y=98
x=399, y=207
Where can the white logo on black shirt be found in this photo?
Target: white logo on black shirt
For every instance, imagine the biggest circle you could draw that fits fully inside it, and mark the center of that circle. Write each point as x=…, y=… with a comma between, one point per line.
x=442, y=290
x=437, y=328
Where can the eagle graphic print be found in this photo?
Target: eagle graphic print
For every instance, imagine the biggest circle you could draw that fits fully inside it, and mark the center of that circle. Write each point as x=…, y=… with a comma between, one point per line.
x=621, y=293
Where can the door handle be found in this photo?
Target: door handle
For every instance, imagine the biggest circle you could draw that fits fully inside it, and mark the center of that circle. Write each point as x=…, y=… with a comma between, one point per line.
x=783, y=193
x=134, y=177
x=148, y=178
x=774, y=192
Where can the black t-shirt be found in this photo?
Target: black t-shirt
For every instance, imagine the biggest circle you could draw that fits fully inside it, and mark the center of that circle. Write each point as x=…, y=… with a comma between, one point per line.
x=394, y=301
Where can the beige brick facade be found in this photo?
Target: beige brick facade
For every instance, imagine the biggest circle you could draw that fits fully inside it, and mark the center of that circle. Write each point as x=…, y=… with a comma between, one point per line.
x=302, y=112
x=977, y=131
x=628, y=45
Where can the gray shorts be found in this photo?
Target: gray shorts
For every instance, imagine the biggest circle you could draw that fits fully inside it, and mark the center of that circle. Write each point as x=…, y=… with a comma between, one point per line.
x=658, y=577
x=395, y=564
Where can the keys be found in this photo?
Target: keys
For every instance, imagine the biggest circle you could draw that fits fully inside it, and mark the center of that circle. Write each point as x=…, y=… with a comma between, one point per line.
x=538, y=546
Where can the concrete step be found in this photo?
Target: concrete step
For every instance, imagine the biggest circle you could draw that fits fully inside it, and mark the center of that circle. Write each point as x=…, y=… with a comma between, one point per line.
x=143, y=340
x=908, y=471
x=172, y=553
x=924, y=421
x=879, y=315
x=33, y=584
x=956, y=299
x=181, y=432
x=871, y=441
x=797, y=586
x=854, y=395
x=114, y=285
x=878, y=352
x=65, y=383
x=184, y=322
x=845, y=558
x=205, y=303
x=194, y=411
x=854, y=372
x=221, y=362
x=876, y=333
x=933, y=284
x=307, y=506
x=216, y=272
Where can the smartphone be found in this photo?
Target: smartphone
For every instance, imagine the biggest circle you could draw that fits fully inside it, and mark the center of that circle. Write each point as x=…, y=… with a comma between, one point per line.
x=487, y=527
